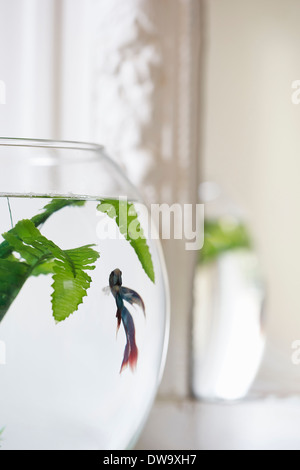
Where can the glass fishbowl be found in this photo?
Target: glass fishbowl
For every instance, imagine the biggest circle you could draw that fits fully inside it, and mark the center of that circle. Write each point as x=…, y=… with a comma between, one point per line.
x=84, y=313
x=229, y=332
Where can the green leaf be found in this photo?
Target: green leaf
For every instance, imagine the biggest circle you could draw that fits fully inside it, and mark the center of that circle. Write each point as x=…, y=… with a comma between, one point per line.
x=53, y=206
x=32, y=246
x=47, y=267
x=126, y=218
x=69, y=289
x=13, y=275
x=39, y=255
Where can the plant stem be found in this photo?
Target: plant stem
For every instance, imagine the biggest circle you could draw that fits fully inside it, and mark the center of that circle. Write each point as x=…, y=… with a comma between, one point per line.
x=5, y=248
x=10, y=214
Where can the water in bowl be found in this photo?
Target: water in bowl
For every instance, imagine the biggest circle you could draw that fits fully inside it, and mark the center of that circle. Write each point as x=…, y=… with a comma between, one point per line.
x=60, y=382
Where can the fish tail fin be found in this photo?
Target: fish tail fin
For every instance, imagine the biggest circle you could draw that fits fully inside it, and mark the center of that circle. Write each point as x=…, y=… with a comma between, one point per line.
x=130, y=356
x=131, y=351
x=133, y=356
x=125, y=361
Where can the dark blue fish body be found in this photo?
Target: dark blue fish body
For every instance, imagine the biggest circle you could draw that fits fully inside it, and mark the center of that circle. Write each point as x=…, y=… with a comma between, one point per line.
x=122, y=294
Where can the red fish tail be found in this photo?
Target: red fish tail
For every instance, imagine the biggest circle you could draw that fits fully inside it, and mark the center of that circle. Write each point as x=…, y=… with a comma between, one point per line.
x=130, y=356
x=133, y=356
x=131, y=350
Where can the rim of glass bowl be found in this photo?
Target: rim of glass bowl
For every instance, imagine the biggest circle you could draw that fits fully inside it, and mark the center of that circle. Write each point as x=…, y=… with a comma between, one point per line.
x=95, y=151
x=48, y=143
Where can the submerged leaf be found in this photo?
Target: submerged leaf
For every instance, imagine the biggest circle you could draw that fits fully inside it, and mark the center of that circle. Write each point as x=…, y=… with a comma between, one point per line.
x=55, y=205
x=39, y=255
x=126, y=218
x=28, y=241
x=47, y=267
x=69, y=289
x=13, y=275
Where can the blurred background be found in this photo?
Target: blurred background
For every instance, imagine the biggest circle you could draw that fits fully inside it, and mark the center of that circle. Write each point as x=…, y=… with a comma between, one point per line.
x=193, y=99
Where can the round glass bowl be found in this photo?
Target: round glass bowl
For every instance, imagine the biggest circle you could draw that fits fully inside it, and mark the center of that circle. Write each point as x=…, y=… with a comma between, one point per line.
x=70, y=376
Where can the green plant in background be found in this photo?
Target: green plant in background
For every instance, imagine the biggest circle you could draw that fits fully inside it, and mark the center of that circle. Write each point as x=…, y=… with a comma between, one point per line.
x=223, y=235
x=25, y=252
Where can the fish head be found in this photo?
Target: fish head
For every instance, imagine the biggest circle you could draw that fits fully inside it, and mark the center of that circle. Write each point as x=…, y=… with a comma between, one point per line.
x=115, y=278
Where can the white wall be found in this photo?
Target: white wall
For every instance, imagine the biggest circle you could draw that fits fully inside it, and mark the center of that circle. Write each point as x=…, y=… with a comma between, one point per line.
x=252, y=148
x=252, y=138
x=29, y=68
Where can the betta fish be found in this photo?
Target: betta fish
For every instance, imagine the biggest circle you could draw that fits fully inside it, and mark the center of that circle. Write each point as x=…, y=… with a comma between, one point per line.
x=122, y=294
